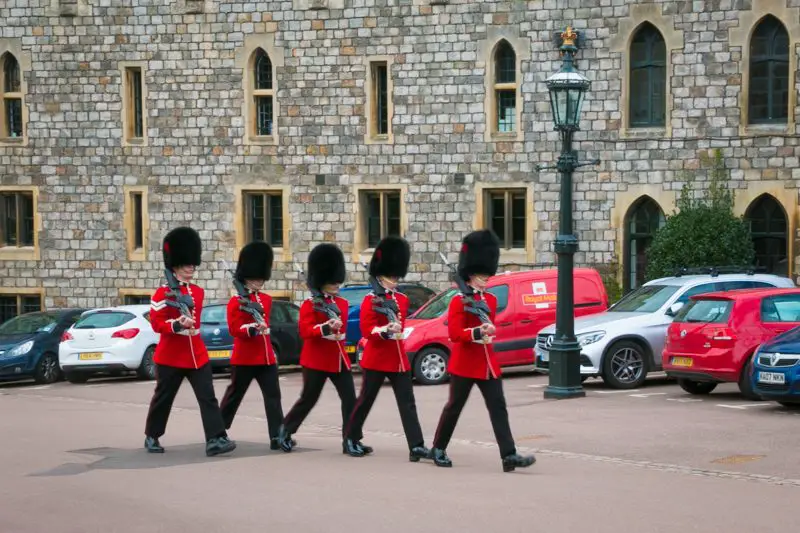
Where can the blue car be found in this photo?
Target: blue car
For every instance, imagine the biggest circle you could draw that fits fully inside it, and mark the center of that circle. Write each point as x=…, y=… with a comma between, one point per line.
x=29, y=344
x=418, y=296
x=776, y=369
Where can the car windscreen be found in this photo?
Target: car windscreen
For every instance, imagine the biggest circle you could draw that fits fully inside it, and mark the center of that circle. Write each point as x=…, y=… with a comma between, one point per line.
x=706, y=311
x=29, y=324
x=436, y=306
x=214, y=314
x=645, y=299
x=355, y=296
x=104, y=319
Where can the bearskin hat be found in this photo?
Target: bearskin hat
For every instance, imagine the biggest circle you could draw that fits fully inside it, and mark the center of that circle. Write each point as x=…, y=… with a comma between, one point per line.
x=391, y=258
x=480, y=254
x=325, y=265
x=255, y=261
x=182, y=246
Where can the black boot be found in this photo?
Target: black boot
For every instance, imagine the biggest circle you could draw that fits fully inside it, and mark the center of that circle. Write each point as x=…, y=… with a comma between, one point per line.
x=366, y=449
x=515, y=460
x=274, y=444
x=152, y=446
x=440, y=458
x=219, y=445
x=350, y=448
x=285, y=440
x=417, y=453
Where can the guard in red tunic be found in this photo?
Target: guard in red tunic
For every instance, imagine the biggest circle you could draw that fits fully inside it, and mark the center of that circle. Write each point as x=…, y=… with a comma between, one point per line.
x=323, y=356
x=384, y=354
x=253, y=356
x=181, y=352
x=472, y=361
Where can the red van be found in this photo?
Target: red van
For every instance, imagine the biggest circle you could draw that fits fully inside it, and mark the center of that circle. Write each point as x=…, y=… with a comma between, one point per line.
x=526, y=303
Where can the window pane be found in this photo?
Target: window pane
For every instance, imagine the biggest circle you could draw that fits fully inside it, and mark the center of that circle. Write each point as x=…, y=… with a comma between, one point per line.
x=276, y=220
x=263, y=115
x=257, y=221
x=10, y=221
x=501, y=293
x=497, y=221
x=781, y=309
x=381, y=94
x=769, y=72
x=104, y=320
x=26, y=222
x=263, y=71
x=373, y=220
x=506, y=111
x=11, y=75
x=518, y=220
x=138, y=104
x=277, y=314
x=505, y=64
x=31, y=304
x=393, y=214
x=8, y=308
x=706, y=311
x=138, y=226
x=13, y=123
x=135, y=299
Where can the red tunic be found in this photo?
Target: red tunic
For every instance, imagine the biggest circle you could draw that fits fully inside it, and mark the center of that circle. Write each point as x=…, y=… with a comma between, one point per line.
x=323, y=349
x=184, y=349
x=250, y=348
x=382, y=354
x=470, y=358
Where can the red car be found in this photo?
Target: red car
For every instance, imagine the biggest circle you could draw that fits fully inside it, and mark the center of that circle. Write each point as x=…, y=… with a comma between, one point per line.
x=526, y=303
x=712, y=339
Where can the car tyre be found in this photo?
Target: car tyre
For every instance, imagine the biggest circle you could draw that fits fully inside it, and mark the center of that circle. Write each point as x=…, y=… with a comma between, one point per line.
x=147, y=368
x=625, y=365
x=277, y=354
x=77, y=378
x=47, y=370
x=697, y=387
x=745, y=385
x=430, y=366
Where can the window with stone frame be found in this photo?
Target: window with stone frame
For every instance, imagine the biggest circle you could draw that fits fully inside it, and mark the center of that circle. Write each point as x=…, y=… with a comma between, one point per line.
x=505, y=213
x=648, y=78
x=768, y=95
x=10, y=97
x=12, y=305
x=264, y=217
x=643, y=220
x=381, y=215
x=505, y=87
x=136, y=299
x=769, y=229
x=263, y=94
x=379, y=101
x=16, y=219
x=134, y=108
x=137, y=220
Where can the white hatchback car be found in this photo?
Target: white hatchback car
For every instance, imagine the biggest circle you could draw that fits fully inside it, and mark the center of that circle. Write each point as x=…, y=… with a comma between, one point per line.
x=113, y=340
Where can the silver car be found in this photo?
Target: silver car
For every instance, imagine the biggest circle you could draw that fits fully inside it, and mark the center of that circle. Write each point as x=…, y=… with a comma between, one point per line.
x=624, y=343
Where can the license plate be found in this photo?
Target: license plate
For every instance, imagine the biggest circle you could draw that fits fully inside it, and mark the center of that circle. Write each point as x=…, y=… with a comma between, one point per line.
x=771, y=377
x=350, y=349
x=92, y=356
x=682, y=361
x=219, y=354
x=545, y=356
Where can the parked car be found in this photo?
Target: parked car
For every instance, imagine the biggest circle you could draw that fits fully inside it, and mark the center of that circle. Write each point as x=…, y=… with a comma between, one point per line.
x=109, y=341
x=418, y=295
x=29, y=344
x=712, y=339
x=776, y=369
x=526, y=301
x=625, y=343
x=284, y=333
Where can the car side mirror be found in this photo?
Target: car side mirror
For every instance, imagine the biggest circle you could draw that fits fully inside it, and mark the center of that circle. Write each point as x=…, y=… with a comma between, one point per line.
x=674, y=308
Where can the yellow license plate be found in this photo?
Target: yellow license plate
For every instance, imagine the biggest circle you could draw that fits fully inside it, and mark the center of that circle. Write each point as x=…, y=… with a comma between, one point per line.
x=350, y=349
x=682, y=361
x=219, y=354
x=92, y=356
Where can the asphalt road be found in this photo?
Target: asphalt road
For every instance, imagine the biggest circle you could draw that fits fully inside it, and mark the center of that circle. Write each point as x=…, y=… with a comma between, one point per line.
x=654, y=459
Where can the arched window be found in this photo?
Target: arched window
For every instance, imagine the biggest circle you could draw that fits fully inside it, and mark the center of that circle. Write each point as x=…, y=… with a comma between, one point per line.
x=648, y=78
x=505, y=88
x=769, y=73
x=642, y=221
x=11, y=96
x=263, y=94
x=769, y=230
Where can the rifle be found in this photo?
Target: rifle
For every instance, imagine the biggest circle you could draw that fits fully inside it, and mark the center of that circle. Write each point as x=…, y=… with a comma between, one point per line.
x=478, y=308
x=329, y=309
x=245, y=304
x=382, y=304
x=180, y=301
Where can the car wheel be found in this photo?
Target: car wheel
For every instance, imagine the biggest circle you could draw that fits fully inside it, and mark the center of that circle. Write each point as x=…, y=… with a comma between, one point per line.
x=47, y=369
x=147, y=368
x=745, y=385
x=77, y=378
x=584, y=378
x=696, y=387
x=430, y=366
x=625, y=365
x=277, y=354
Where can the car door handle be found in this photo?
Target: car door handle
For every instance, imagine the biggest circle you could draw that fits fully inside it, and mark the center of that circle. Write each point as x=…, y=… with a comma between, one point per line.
x=525, y=321
x=505, y=324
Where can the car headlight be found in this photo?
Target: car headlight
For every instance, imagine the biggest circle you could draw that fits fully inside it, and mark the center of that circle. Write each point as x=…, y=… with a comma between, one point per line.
x=591, y=337
x=22, y=349
x=407, y=332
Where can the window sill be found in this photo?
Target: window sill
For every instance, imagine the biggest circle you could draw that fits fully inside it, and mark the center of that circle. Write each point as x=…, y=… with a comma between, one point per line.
x=19, y=253
x=760, y=129
x=379, y=139
x=13, y=141
x=643, y=132
x=517, y=256
x=504, y=136
x=138, y=141
x=262, y=140
x=137, y=255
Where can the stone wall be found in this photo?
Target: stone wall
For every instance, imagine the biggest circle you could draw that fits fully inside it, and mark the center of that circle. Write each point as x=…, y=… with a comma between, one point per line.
x=197, y=155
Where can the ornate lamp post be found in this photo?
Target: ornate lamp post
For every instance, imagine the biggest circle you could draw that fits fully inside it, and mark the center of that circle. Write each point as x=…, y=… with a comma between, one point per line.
x=567, y=90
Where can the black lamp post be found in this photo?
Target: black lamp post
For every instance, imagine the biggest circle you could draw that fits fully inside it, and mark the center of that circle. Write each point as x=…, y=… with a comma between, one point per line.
x=567, y=90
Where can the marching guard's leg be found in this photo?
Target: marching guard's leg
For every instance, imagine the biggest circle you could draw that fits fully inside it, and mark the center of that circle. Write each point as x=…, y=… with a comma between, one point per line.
x=267, y=378
x=168, y=382
x=459, y=392
x=407, y=406
x=346, y=388
x=370, y=387
x=217, y=441
x=492, y=391
x=313, y=381
x=241, y=376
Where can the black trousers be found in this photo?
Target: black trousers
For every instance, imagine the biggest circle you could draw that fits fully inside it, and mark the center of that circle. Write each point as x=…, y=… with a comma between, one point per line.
x=406, y=404
x=313, y=382
x=492, y=391
x=168, y=382
x=267, y=378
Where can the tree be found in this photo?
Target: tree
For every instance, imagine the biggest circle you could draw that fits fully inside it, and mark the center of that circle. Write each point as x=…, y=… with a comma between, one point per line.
x=704, y=231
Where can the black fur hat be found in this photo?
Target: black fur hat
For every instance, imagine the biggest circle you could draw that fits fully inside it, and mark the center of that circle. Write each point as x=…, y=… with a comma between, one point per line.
x=182, y=246
x=391, y=258
x=480, y=254
x=255, y=261
x=325, y=265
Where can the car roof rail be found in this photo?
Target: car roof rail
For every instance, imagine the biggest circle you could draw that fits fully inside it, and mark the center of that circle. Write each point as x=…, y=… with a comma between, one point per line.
x=715, y=271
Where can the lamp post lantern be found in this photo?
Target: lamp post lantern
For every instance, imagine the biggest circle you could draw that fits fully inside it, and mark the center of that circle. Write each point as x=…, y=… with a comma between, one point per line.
x=567, y=91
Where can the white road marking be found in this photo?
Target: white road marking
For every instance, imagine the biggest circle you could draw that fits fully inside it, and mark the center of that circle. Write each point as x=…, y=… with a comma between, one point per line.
x=744, y=406
x=43, y=387
x=616, y=391
x=684, y=400
x=537, y=386
x=648, y=394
